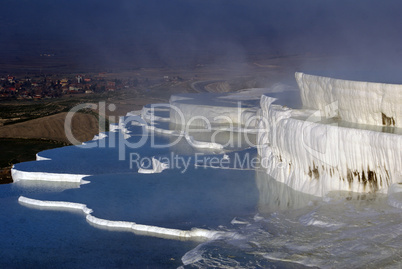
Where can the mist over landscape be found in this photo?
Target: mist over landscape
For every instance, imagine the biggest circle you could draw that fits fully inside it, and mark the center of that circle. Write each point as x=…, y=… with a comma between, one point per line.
x=361, y=37
x=200, y=134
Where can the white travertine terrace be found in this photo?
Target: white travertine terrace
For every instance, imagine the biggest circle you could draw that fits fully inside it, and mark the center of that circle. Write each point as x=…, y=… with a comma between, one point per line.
x=157, y=167
x=18, y=175
x=297, y=146
x=193, y=234
x=201, y=144
x=317, y=157
x=54, y=204
x=357, y=101
x=203, y=110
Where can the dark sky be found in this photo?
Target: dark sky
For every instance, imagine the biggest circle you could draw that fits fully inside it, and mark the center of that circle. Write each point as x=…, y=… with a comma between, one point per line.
x=175, y=32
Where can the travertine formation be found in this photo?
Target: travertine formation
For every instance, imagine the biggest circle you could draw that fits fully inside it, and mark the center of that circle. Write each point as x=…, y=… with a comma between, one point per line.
x=312, y=152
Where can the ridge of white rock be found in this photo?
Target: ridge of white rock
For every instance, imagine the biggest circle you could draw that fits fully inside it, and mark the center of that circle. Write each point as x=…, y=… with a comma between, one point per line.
x=316, y=158
x=113, y=127
x=18, y=175
x=150, y=118
x=148, y=113
x=41, y=158
x=99, y=136
x=150, y=230
x=205, y=110
x=109, y=223
x=169, y=233
x=395, y=196
x=354, y=101
x=157, y=167
x=54, y=204
x=201, y=144
x=155, y=129
x=255, y=93
x=134, y=113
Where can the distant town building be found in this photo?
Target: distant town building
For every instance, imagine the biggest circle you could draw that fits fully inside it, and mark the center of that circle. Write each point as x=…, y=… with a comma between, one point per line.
x=64, y=82
x=74, y=88
x=111, y=86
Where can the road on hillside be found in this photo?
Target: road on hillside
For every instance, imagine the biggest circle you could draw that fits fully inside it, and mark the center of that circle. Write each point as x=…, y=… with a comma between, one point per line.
x=199, y=86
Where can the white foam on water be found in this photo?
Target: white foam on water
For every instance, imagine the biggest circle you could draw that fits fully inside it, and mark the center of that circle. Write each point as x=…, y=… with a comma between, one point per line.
x=357, y=231
x=395, y=195
x=235, y=221
x=314, y=219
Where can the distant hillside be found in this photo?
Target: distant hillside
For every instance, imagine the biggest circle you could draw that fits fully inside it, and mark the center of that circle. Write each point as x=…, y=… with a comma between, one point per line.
x=84, y=126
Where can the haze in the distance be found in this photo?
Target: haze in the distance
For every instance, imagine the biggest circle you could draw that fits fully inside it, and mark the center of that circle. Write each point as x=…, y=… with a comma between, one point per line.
x=362, y=35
